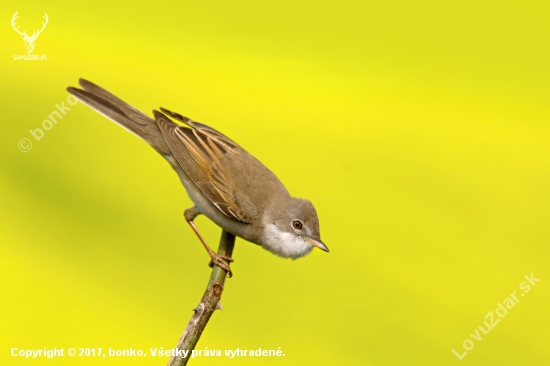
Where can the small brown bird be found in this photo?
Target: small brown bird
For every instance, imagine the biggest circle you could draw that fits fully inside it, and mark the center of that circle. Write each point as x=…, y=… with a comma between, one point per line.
x=226, y=183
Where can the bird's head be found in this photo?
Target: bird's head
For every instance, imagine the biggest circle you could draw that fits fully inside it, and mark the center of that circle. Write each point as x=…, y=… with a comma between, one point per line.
x=292, y=229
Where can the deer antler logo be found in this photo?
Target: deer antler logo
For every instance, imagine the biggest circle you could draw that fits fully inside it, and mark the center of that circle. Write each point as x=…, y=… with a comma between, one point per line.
x=29, y=40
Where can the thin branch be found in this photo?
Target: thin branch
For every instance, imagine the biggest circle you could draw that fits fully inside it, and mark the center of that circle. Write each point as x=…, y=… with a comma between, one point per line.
x=207, y=306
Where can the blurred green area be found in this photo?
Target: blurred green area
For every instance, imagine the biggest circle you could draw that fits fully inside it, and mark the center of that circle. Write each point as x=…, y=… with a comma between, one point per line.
x=418, y=129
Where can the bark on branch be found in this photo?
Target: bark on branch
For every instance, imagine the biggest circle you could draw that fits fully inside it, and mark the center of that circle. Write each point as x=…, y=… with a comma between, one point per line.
x=206, y=307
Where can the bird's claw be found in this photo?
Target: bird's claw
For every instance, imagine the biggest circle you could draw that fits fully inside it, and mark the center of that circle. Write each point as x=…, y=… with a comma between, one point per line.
x=222, y=261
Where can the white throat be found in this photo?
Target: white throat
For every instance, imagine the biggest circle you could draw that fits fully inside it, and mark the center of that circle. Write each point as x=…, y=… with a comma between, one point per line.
x=285, y=244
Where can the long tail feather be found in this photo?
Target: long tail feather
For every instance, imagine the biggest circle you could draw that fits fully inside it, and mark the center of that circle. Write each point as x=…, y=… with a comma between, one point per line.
x=121, y=113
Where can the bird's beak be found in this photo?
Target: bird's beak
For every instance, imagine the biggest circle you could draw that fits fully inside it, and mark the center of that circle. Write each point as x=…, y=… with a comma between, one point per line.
x=317, y=243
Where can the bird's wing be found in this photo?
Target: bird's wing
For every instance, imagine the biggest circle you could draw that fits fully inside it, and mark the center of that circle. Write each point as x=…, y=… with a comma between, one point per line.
x=203, y=152
x=206, y=155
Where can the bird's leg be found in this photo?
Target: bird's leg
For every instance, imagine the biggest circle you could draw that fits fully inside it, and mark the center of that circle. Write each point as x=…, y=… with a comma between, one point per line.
x=220, y=260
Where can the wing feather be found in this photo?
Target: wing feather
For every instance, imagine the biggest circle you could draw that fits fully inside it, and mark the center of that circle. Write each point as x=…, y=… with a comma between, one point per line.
x=200, y=151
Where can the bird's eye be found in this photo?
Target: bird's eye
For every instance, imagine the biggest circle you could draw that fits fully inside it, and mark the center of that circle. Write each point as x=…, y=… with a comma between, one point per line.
x=297, y=224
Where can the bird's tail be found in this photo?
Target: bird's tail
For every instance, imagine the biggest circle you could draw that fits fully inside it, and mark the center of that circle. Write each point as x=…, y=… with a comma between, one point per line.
x=123, y=114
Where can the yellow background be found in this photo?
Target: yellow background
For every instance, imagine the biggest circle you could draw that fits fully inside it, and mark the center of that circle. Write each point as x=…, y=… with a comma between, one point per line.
x=419, y=129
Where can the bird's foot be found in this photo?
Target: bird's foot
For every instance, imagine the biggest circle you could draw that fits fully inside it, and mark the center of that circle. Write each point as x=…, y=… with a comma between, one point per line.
x=221, y=261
